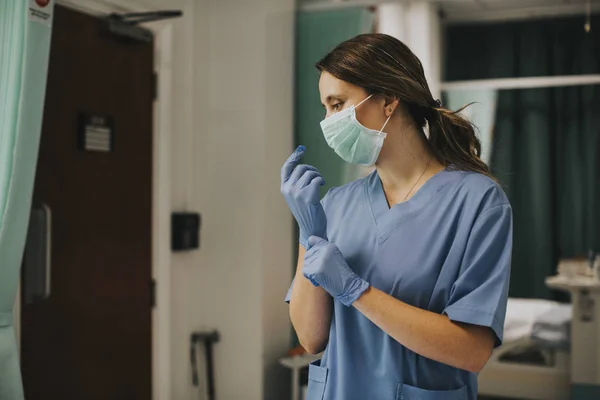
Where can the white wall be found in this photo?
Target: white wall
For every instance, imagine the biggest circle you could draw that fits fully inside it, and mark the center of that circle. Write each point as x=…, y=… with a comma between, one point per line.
x=418, y=25
x=233, y=93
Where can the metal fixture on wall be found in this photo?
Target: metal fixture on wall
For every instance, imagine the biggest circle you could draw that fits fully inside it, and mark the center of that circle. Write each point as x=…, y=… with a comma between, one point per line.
x=127, y=24
x=208, y=339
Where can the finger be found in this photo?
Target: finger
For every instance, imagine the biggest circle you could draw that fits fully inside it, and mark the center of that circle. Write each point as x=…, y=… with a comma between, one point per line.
x=298, y=172
x=291, y=163
x=310, y=254
x=309, y=167
x=310, y=277
x=306, y=178
x=314, y=249
x=317, y=182
x=302, y=169
x=315, y=241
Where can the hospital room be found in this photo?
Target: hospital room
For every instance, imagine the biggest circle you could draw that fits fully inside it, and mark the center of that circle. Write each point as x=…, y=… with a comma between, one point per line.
x=299, y=199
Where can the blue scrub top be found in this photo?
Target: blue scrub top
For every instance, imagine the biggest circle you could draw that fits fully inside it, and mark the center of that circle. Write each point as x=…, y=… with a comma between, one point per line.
x=446, y=250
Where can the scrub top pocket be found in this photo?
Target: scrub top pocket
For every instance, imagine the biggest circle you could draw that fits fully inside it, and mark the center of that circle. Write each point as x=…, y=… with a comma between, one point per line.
x=317, y=379
x=407, y=392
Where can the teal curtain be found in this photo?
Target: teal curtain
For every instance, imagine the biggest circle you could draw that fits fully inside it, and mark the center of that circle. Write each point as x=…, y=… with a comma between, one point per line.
x=317, y=33
x=24, y=49
x=546, y=146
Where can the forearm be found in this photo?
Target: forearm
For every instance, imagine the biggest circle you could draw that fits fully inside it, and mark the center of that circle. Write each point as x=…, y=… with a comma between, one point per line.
x=429, y=334
x=310, y=311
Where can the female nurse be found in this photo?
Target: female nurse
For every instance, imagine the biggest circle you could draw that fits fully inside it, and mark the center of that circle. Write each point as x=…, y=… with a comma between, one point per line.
x=403, y=275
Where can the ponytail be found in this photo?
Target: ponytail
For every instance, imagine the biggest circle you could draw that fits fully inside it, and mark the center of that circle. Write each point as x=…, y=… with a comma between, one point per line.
x=452, y=138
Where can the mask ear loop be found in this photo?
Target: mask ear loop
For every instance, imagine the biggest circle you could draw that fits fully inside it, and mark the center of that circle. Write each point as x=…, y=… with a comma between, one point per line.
x=383, y=127
x=356, y=106
x=386, y=121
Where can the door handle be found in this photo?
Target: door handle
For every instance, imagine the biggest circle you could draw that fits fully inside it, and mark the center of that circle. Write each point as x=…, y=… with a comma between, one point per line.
x=37, y=269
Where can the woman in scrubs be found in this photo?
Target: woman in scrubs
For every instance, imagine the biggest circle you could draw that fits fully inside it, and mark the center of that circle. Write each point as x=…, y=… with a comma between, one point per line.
x=403, y=275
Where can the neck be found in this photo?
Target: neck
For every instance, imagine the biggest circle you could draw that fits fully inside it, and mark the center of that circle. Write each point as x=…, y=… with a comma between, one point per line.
x=404, y=158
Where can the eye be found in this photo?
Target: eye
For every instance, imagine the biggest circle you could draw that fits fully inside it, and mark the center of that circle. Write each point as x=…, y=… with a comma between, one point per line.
x=337, y=106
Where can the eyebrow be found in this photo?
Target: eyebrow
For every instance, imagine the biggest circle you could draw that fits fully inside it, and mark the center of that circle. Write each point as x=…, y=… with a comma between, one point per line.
x=332, y=97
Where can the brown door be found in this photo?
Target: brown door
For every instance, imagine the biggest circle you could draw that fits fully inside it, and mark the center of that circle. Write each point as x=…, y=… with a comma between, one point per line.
x=91, y=338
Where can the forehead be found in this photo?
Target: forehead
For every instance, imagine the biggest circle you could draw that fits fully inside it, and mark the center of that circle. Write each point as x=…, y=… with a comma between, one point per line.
x=330, y=86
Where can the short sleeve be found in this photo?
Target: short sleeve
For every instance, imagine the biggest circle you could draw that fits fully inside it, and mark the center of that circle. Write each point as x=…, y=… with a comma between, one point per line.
x=480, y=293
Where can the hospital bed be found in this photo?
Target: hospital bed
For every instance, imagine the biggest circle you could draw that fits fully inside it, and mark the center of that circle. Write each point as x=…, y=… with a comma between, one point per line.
x=534, y=360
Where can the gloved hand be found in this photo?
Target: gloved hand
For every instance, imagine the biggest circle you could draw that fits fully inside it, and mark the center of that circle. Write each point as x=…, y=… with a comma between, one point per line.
x=300, y=188
x=325, y=266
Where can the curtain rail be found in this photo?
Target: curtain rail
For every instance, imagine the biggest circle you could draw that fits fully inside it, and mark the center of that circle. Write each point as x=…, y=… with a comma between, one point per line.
x=523, y=83
x=339, y=4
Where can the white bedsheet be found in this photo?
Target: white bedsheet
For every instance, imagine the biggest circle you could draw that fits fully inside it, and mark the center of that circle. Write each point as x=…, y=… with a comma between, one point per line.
x=521, y=314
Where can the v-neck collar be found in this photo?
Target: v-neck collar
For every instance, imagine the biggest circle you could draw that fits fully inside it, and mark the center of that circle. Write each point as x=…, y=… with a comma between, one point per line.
x=387, y=218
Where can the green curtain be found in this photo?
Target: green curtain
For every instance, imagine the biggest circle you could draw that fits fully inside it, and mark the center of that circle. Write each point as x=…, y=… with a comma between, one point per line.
x=546, y=145
x=24, y=49
x=317, y=33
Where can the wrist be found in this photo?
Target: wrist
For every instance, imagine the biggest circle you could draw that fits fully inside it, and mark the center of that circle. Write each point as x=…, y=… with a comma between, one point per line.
x=356, y=289
x=304, y=239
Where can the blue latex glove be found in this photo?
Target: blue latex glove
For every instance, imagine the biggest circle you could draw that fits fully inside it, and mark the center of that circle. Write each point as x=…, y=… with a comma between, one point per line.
x=300, y=186
x=325, y=266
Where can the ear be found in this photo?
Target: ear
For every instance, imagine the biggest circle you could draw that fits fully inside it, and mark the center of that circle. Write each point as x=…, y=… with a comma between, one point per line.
x=390, y=106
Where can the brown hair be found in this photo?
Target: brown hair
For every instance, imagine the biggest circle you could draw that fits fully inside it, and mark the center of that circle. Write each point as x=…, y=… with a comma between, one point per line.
x=384, y=65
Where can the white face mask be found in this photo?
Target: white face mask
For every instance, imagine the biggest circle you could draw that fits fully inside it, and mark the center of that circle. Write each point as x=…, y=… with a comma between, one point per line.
x=353, y=142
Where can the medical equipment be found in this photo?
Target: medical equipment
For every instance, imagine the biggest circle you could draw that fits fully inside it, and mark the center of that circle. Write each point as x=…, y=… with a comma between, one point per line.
x=351, y=140
x=585, y=334
x=208, y=338
x=300, y=187
x=595, y=264
x=553, y=329
x=534, y=361
x=568, y=342
x=571, y=268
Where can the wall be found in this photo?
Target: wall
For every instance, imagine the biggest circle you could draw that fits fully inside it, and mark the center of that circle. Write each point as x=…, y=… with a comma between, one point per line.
x=232, y=130
x=418, y=25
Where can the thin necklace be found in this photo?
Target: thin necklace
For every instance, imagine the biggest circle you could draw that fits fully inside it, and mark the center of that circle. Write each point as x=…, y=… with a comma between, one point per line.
x=422, y=173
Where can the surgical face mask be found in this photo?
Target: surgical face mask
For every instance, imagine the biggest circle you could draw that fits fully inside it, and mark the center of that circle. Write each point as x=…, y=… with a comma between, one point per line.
x=352, y=141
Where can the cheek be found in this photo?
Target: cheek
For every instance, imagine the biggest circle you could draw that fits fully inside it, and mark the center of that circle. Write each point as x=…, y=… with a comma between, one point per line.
x=371, y=118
